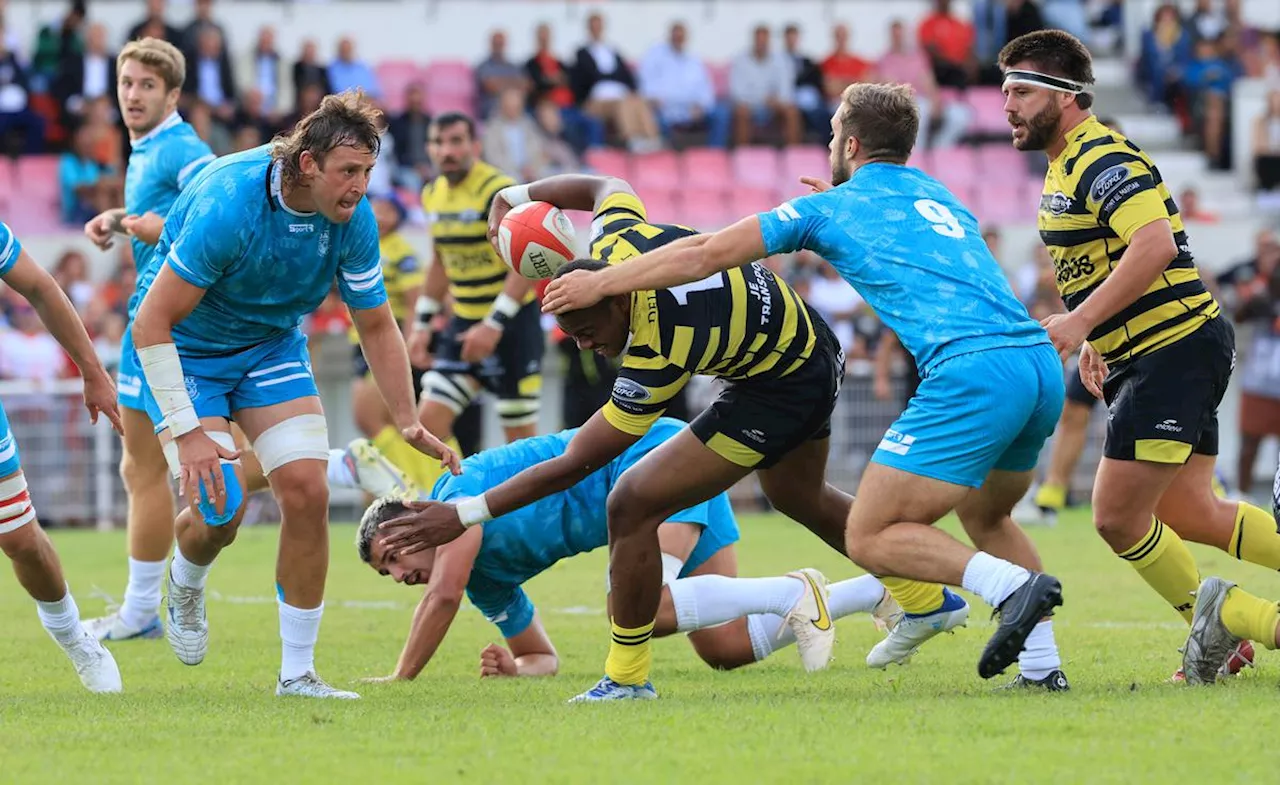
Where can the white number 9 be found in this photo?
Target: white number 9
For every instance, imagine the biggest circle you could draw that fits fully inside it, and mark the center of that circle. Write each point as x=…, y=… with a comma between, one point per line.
x=944, y=221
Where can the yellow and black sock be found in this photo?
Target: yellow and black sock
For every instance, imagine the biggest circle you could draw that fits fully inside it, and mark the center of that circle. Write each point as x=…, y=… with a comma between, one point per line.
x=1165, y=563
x=1250, y=617
x=914, y=597
x=422, y=469
x=1255, y=538
x=630, y=655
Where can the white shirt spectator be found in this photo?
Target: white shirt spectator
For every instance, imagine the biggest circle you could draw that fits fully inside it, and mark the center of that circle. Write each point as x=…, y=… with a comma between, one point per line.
x=30, y=356
x=755, y=81
x=96, y=71
x=607, y=60
x=677, y=81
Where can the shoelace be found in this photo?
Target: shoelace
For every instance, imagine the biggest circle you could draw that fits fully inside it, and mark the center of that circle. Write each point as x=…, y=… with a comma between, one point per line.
x=188, y=603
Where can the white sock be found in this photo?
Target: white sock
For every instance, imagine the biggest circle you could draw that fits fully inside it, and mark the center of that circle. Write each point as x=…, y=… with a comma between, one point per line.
x=764, y=631
x=142, y=595
x=61, y=618
x=299, y=629
x=770, y=632
x=192, y=576
x=340, y=473
x=1039, y=655
x=993, y=579
x=708, y=600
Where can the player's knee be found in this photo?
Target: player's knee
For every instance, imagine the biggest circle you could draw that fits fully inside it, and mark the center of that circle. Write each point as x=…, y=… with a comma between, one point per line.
x=719, y=651
x=627, y=510
x=303, y=493
x=22, y=544
x=1119, y=530
x=141, y=474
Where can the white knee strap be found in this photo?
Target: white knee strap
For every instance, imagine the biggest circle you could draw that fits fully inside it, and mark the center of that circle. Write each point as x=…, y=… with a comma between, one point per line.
x=15, y=504
x=222, y=438
x=305, y=436
x=671, y=567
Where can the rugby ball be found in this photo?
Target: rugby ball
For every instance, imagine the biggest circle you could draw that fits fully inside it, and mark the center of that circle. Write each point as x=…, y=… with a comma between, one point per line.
x=535, y=239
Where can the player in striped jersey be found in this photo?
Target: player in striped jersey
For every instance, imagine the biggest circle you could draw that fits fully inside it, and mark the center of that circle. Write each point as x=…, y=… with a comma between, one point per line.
x=1155, y=347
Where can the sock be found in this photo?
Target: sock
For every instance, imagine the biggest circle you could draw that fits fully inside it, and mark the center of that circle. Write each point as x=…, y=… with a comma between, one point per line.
x=1255, y=538
x=1165, y=563
x=708, y=600
x=1039, y=655
x=916, y=598
x=630, y=654
x=61, y=618
x=339, y=472
x=193, y=576
x=1051, y=497
x=299, y=629
x=769, y=632
x=992, y=579
x=1250, y=617
x=422, y=469
x=142, y=594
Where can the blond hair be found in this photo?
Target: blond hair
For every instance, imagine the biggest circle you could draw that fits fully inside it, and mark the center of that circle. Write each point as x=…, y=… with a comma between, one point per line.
x=348, y=119
x=160, y=56
x=882, y=117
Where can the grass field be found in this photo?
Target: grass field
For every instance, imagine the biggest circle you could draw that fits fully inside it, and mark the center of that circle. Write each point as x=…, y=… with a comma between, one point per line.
x=934, y=721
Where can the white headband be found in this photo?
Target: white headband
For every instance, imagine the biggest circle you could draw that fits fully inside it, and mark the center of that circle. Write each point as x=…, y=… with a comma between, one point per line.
x=1037, y=79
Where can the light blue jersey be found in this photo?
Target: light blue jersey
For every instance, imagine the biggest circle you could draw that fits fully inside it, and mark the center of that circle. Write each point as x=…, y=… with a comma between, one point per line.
x=10, y=463
x=915, y=254
x=10, y=249
x=264, y=266
x=522, y=544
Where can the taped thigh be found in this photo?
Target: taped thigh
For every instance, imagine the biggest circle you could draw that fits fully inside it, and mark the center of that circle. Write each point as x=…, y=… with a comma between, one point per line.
x=15, y=504
x=302, y=437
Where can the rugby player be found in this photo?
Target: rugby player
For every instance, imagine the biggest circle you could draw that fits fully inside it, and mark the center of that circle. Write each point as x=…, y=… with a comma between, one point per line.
x=731, y=622
x=250, y=248
x=1153, y=343
x=992, y=383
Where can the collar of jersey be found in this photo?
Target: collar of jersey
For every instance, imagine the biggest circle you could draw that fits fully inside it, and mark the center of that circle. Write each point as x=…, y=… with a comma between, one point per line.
x=1078, y=133
x=173, y=119
x=277, y=192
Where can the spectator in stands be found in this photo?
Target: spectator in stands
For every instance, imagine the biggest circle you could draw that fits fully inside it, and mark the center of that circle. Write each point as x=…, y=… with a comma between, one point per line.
x=1190, y=210
x=1208, y=78
x=210, y=78
x=678, y=86
x=246, y=137
x=203, y=21
x=309, y=71
x=942, y=123
x=762, y=86
x=1207, y=21
x=155, y=25
x=409, y=130
x=1021, y=17
x=948, y=41
x=1166, y=46
x=843, y=68
x=309, y=98
x=496, y=74
x=809, y=87
x=72, y=274
x=54, y=45
x=21, y=129
x=561, y=158
x=1107, y=26
x=88, y=187
x=260, y=68
x=551, y=83
x=215, y=134
x=252, y=112
x=839, y=305
x=29, y=351
x=1069, y=15
x=107, y=144
x=512, y=141
x=1266, y=145
x=605, y=87
x=86, y=76
x=1267, y=64
x=346, y=72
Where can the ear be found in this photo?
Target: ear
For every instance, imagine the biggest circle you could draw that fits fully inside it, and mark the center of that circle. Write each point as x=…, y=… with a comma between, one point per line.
x=852, y=147
x=308, y=164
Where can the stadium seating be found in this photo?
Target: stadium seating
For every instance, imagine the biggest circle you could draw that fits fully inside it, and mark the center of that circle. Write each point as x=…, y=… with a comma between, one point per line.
x=988, y=115
x=755, y=167
x=394, y=77
x=702, y=210
x=706, y=168
x=606, y=161
x=660, y=170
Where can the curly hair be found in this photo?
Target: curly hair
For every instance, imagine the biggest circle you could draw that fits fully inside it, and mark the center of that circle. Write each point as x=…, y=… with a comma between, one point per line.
x=348, y=119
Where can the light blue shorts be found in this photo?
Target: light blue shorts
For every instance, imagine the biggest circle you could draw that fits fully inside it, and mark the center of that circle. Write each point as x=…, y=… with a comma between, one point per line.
x=131, y=385
x=978, y=412
x=9, y=460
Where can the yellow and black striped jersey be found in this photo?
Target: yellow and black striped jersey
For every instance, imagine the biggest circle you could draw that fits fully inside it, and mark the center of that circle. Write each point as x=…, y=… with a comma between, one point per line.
x=402, y=273
x=745, y=323
x=1099, y=192
x=459, y=217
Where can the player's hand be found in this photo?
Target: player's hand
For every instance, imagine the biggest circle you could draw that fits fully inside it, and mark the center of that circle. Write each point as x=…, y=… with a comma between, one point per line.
x=496, y=660
x=1092, y=370
x=497, y=211
x=427, y=525
x=146, y=227
x=817, y=184
x=417, y=342
x=572, y=292
x=881, y=388
x=100, y=398
x=479, y=342
x=100, y=228
x=200, y=458
x=426, y=442
x=1066, y=331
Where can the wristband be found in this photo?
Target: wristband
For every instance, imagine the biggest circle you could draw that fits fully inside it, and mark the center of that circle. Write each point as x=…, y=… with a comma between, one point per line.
x=163, y=372
x=473, y=511
x=515, y=195
x=426, y=308
x=504, y=307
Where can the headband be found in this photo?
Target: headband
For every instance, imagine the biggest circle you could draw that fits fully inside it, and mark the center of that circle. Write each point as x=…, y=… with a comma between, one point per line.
x=1037, y=79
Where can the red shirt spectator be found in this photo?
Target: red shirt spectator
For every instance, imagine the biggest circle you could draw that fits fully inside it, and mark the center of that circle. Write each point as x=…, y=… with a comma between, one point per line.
x=946, y=36
x=843, y=68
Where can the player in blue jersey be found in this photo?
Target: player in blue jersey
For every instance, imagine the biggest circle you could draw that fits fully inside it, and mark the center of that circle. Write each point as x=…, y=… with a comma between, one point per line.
x=731, y=622
x=35, y=563
x=166, y=155
x=992, y=382
x=249, y=249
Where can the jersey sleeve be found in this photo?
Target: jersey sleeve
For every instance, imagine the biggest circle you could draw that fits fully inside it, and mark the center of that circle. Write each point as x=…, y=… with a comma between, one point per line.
x=360, y=270
x=617, y=211
x=791, y=226
x=502, y=604
x=643, y=389
x=10, y=249
x=1120, y=190
x=186, y=160
x=211, y=237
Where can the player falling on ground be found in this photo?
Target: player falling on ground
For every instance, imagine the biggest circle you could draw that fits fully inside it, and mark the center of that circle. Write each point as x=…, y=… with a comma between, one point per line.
x=782, y=369
x=1153, y=344
x=731, y=622
x=992, y=383
x=494, y=337
x=249, y=249
x=34, y=560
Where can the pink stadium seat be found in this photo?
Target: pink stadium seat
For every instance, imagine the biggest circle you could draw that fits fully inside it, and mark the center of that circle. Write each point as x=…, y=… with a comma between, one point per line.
x=706, y=168
x=394, y=76
x=659, y=204
x=451, y=85
x=805, y=161
x=755, y=167
x=956, y=167
x=608, y=162
x=660, y=170
x=746, y=201
x=439, y=104
x=922, y=160
x=1001, y=158
x=702, y=210
x=987, y=104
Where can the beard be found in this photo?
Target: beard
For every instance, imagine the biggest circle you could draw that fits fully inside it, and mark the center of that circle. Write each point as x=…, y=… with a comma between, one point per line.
x=1040, y=129
x=840, y=169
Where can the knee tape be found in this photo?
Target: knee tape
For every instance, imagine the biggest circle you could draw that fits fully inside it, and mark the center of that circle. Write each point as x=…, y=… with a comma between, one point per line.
x=235, y=495
x=305, y=436
x=671, y=567
x=15, y=504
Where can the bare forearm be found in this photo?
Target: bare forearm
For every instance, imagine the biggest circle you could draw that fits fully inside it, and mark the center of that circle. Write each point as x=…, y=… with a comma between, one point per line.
x=431, y=622
x=537, y=665
x=537, y=482
x=573, y=191
x=678, y=263
x=60, y=317
x=388, y=359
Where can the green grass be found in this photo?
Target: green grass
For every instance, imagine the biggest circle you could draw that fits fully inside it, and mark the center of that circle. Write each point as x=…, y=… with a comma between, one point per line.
x=934, y=721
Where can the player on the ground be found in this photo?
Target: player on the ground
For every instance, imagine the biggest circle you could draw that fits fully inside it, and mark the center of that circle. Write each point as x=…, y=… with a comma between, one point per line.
x=35, y=562
x=494, y=337
x=731, y=622
x=782, y=369
x=249, y=249
x=992, y=383
x=1152, y=341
